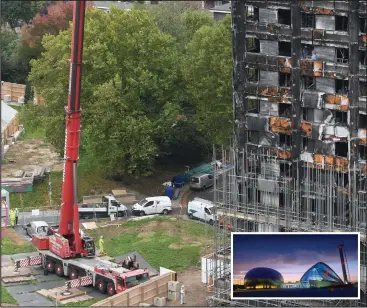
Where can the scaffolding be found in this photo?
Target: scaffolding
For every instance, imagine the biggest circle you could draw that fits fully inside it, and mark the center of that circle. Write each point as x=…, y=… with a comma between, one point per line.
x=298, y=158
x=259, y=195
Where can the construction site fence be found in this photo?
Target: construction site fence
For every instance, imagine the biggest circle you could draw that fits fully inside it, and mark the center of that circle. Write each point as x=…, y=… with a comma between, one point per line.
x=52, y=217
x=14, y=90
x=143, y=293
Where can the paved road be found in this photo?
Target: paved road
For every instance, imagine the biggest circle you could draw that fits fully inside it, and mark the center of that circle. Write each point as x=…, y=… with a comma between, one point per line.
x=207, y=194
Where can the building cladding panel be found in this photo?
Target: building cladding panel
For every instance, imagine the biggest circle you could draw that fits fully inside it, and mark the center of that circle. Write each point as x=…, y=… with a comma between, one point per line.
x=323, y=71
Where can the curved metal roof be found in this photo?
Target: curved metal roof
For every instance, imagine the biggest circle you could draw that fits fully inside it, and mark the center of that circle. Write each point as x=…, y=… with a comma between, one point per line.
x=324, y=271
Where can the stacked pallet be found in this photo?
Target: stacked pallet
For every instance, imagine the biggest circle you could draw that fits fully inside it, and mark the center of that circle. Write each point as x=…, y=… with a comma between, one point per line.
x=24, y=184
x=23, y=181
x=38, y=174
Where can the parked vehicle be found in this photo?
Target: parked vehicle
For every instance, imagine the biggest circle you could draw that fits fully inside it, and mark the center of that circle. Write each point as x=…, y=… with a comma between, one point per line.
x=101, y=207
x=153, y=205
x=104, y=9
x=36, y=227
x=201, y=181
x=201, y=209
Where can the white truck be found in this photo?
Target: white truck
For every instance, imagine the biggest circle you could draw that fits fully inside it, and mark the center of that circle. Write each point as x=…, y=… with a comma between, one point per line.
x=99, y=207
x=201, y=209
x=153, y=205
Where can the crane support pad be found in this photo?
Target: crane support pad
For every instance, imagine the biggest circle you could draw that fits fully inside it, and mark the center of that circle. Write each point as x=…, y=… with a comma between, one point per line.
x=30, y=261
x=80, y=282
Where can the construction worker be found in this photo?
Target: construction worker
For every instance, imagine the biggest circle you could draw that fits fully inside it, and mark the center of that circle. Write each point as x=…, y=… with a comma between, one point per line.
x=210, y=283
x=12, y=218
x=16, y=216
x=101, y=250
x=182, y=294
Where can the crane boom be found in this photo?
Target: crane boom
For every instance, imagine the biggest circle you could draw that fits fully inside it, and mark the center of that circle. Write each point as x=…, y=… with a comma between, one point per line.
x=69, y=215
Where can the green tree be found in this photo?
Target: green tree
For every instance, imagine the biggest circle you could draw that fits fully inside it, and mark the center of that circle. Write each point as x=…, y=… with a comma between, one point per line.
x=130, y=78
x=17, y=12
x=207, y=69
x=180, y=20
x=193, y=20
x=12, y=69
x=120, y=136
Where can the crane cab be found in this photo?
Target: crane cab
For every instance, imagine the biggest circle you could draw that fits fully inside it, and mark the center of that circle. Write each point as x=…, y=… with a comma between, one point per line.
x=89, y=248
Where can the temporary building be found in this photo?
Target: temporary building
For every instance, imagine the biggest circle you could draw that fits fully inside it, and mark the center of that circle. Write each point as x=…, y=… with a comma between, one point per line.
x=5, y=207
x=9, y=125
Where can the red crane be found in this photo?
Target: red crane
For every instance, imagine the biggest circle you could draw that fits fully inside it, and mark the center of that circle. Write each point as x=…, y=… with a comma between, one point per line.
x=66, y=241
x=69, y=215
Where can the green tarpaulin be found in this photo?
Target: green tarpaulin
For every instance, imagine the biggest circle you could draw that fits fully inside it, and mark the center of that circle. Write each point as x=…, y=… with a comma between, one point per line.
x=204, y=168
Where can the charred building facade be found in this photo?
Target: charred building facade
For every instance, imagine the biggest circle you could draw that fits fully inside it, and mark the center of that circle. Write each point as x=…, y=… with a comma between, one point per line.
x=299, y=159
x=305, y=80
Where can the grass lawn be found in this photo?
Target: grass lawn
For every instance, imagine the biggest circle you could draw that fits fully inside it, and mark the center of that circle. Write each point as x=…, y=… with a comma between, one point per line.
x=6, y=298
x=10, y=246
x=86, y=303
x=173, y=244
x=30, y=132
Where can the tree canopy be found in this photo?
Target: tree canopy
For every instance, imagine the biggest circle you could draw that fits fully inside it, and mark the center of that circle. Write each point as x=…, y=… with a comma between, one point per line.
x=12, y=68
x=148, y=91
x=15, y=13
x=50, y=20
x=208, y=75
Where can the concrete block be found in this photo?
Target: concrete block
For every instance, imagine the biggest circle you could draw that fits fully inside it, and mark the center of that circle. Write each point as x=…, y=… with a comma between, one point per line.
x=21, y=100
x=160, y=302
x=174, y=286
x=7, y=98
x=144, y=305
x=174, y=296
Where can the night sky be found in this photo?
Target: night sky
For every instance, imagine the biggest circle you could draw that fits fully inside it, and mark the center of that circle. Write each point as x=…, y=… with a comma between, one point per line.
x=293, y=255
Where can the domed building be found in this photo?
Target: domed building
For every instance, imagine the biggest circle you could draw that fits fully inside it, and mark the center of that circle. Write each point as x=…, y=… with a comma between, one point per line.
x=320, y=275
x=263, y=278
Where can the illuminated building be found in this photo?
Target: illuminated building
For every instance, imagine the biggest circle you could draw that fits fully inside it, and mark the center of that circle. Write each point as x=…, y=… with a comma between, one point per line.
x=263, y=278
x=320, y=275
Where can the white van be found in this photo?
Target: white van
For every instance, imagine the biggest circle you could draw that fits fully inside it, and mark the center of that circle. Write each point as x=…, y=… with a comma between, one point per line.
x=153, y=205
x=201, y=209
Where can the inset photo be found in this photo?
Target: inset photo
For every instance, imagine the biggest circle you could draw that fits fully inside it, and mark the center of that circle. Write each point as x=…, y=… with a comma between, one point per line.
x=282, y=265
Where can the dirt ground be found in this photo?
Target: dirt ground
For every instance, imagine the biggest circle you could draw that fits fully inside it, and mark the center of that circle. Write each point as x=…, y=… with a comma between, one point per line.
x=27, y=154
x=195, y=290
x=14, y=236
x=152, y=185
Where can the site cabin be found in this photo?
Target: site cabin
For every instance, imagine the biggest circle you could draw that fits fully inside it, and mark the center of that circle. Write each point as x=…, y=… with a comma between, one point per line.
x=107, y=206
x=153, y=205
x=201, y=209
x=107, y=277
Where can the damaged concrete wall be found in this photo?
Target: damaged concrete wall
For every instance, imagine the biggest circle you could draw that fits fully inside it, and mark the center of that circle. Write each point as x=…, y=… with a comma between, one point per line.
x=325, y=53
x=325, y=22
x=268, y=108
x=269, y=47
x=325, y=85
x=270, y=79
x=268, y=16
